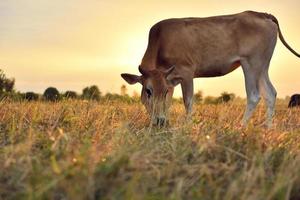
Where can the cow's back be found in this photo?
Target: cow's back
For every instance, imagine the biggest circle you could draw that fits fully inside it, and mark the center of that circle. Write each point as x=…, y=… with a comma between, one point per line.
x=206, y=44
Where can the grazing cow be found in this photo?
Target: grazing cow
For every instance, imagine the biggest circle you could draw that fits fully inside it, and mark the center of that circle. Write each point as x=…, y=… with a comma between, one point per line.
x=182, y=49
x=295, y=101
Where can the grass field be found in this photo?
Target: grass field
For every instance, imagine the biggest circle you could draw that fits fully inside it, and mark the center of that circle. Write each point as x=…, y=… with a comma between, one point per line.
x=89, y=150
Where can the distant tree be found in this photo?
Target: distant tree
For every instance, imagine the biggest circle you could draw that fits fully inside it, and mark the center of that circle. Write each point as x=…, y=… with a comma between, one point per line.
x=31, y=96
x=91, y=93
x=226, y=97
x=123, y=90
x=70, y=95
x=198, y=97
x=6, y=84
x=51, y=94
x=9, y=85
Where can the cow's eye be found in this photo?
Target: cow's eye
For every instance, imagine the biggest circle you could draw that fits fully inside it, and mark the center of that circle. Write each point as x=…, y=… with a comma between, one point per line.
x=148, y=91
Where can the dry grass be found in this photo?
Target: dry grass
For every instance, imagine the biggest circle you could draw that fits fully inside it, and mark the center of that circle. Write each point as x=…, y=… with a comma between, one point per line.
x=86, y=150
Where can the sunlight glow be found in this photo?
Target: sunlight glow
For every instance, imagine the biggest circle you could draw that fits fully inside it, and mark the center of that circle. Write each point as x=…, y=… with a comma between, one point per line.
x=71, y=44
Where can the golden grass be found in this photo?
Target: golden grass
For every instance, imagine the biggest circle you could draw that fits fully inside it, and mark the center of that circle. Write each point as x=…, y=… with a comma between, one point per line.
x=89, y=150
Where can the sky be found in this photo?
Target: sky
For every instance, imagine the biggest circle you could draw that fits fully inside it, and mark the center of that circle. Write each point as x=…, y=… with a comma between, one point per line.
x=71, y=44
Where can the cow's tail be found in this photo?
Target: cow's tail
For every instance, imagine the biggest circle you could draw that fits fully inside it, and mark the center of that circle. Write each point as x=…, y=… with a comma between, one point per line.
x=281, y=36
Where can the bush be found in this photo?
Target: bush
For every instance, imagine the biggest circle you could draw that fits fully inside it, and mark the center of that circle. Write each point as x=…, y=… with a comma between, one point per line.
x=225, y=97
x=12, y=96
x=91, y=93
x=210, y=100
x=31, y=96
x=51, y=94
x=70, y=95
x=116, y=97
x=198, y=97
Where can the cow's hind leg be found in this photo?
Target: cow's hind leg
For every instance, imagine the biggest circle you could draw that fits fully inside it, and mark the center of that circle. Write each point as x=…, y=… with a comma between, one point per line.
x=269, y=93
x=252, y=89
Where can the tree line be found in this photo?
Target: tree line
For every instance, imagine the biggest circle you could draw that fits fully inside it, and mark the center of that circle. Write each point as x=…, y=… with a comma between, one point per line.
x=225, y=97
x=7, y=90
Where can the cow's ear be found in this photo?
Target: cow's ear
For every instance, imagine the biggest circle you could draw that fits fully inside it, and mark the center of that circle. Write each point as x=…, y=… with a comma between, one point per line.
x=132, y=79
x=172, y=77
x=173, y=81
x=169, y=71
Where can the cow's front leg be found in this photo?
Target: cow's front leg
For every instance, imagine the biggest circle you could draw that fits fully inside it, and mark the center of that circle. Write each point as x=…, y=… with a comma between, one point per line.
x=187, y=87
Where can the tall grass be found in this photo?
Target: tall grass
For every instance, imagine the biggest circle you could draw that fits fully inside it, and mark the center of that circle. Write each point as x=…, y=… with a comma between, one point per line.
x=87, y=150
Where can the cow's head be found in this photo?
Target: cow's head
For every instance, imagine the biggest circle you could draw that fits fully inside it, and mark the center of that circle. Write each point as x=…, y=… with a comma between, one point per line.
x=157, y=91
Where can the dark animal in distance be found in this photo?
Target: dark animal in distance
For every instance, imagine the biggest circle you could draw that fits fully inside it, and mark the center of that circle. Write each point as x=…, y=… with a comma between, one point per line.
x=180, y=50
x=294, y=101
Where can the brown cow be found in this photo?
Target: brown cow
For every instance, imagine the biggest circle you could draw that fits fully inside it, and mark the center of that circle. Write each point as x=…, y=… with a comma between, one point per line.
x=182, y=49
